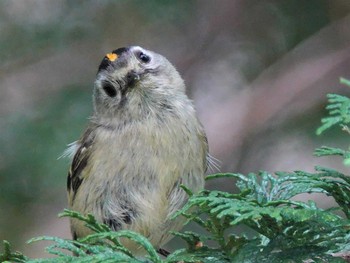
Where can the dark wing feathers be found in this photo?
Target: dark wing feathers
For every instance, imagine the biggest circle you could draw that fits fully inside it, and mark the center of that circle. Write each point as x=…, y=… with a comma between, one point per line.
x=79, y=162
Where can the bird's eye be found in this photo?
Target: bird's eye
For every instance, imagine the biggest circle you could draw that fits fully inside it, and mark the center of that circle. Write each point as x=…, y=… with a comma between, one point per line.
x=109, y=89
x=144, y=58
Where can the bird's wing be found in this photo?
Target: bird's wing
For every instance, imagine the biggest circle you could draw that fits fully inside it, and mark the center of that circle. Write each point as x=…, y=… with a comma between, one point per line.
x=80, y=161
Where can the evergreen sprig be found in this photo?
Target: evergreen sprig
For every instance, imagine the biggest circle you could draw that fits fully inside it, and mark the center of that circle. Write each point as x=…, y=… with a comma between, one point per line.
x=286, y=230
x=261, y=223
x=338, y=109
x=9, y=256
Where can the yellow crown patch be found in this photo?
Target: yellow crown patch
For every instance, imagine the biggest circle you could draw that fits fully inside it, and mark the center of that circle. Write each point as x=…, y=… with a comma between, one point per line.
x=112, y=56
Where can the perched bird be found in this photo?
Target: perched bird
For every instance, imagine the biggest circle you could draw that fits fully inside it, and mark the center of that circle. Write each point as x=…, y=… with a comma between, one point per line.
x=142, y=142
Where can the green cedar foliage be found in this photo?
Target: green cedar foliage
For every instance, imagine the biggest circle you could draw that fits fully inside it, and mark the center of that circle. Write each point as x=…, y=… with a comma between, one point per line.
x=260, y=223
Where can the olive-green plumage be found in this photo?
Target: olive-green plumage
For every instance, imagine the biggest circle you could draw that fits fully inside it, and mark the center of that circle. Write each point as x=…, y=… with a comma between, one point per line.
x=142, y=142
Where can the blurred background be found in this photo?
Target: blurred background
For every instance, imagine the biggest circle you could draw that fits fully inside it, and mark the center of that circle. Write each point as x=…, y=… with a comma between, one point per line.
x=257, y=70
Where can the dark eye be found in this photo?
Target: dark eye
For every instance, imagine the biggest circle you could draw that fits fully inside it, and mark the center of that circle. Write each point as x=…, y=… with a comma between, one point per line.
x=109, y=89
x=144, y=58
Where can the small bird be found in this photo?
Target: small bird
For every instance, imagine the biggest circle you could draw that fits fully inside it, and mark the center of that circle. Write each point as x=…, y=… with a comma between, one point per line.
x=142, y=142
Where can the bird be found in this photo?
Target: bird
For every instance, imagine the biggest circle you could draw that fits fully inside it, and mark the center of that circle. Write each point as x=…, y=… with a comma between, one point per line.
x=142, y=142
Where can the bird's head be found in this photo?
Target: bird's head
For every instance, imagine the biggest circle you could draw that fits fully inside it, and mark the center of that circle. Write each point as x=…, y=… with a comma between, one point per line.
x=132, y=80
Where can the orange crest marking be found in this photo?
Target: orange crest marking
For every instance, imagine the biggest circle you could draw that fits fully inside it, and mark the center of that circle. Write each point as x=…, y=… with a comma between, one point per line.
x=112, y=56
